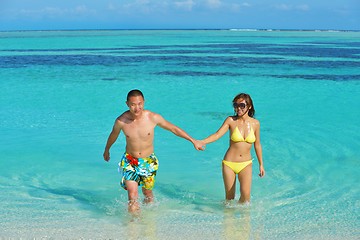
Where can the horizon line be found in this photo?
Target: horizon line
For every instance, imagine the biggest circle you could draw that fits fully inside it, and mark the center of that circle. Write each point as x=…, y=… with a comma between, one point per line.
x=188, y=29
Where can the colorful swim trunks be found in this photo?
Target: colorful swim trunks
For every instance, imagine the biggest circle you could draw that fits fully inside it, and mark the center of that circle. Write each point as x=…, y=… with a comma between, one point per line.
x=140, y=170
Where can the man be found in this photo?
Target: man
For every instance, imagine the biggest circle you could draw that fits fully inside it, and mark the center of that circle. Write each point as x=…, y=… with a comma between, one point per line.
x=139, y=163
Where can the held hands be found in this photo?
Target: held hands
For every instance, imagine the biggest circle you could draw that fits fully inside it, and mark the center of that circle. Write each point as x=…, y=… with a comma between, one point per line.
x=199, y=145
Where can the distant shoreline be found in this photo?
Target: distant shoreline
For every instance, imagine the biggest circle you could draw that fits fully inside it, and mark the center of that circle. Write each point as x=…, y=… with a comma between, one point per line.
x=192, y=29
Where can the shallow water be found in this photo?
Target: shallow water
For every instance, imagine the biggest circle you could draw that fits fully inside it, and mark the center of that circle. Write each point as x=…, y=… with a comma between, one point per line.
x=62, y=90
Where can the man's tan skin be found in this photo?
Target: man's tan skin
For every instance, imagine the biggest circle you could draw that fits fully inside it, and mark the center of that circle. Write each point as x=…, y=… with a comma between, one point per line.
x=138, y=126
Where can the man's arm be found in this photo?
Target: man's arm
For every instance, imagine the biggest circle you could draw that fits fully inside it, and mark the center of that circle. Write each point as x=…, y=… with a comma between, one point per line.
x=112, y=138
x=159, y=120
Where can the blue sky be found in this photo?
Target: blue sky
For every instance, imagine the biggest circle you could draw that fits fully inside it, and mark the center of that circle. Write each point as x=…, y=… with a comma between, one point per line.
x=179, y=14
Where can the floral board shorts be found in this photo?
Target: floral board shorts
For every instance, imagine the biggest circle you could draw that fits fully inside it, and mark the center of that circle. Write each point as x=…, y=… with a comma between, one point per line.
x=140, y=170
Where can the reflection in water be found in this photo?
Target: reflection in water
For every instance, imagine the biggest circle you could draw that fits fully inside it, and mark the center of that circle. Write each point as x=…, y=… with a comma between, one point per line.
x=237, y=222
x=142, y=225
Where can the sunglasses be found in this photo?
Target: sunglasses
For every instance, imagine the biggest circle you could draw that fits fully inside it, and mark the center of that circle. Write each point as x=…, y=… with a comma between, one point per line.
x=239, y=105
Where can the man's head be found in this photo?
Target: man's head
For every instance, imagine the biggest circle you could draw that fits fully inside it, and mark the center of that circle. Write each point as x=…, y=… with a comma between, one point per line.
x=135, y=101
x=134, y=93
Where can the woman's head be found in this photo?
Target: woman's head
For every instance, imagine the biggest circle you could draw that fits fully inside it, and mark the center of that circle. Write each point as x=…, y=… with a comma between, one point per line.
x=243, y=103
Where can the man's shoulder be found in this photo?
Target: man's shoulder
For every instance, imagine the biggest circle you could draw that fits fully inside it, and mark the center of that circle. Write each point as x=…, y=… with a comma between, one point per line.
x=155, y=117
x=150, y=113
x=123, y=117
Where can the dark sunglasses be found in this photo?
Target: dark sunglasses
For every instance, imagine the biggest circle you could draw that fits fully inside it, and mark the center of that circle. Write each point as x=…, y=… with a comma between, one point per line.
x=239, y=105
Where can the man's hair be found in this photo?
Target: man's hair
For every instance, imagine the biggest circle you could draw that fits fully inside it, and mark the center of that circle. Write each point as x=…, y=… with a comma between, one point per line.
x=134, y=93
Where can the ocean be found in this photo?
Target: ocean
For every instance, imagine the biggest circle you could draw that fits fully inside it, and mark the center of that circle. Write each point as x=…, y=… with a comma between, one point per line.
x=62, y=90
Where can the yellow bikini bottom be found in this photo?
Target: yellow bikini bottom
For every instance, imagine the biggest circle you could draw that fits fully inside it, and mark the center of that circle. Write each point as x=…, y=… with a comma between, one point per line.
x=237, y=166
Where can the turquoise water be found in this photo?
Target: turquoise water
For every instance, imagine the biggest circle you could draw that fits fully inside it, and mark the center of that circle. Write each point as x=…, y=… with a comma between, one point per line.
x=62, y=90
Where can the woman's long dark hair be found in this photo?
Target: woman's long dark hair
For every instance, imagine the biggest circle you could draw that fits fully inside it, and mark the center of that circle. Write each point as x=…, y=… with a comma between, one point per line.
x=248, y=101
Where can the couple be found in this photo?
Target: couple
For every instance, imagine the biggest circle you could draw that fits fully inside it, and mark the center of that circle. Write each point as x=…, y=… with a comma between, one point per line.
x=139, y=163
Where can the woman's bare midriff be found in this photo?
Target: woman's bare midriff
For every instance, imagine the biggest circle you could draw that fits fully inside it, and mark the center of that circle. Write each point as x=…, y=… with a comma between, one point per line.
x=238, y=152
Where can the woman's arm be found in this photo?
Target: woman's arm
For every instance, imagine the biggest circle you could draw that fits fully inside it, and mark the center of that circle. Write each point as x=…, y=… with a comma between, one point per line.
x=219, y=133
x=258, y=149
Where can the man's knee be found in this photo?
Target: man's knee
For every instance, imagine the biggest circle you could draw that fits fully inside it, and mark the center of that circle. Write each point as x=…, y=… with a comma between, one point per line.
x=132, y=188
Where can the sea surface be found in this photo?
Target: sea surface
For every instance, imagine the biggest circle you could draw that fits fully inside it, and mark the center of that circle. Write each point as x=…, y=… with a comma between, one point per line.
x=62, y=90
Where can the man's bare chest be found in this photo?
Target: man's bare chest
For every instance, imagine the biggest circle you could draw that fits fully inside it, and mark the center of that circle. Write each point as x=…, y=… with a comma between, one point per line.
x=139, y=131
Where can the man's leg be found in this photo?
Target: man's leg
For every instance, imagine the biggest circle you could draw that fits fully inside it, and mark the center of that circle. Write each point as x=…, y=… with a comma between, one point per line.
x=148, y=185
x=148, y=195
x=133, y=195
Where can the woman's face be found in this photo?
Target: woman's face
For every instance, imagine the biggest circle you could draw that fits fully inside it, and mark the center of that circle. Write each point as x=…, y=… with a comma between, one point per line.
x=241, y=107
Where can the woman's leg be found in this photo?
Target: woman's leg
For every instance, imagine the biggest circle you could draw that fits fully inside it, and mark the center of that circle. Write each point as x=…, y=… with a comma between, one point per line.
x=229, y=178
x=245, y=177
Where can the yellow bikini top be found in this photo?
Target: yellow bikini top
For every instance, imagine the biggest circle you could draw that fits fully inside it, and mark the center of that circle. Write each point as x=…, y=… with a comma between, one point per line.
x=237, y=137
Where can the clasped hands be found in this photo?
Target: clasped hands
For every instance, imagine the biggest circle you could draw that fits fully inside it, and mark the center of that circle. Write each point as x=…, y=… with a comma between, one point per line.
x=199, y=145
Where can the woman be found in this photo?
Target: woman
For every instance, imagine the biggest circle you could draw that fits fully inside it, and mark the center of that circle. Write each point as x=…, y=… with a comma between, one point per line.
x=244, y=131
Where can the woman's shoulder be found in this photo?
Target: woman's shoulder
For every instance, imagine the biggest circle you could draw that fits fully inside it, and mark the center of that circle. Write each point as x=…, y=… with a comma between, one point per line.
x=230, y=119
x=254, y=122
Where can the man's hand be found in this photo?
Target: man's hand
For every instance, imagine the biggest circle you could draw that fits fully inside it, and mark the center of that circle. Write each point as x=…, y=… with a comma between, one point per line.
x=106, y=155
x=199, y=145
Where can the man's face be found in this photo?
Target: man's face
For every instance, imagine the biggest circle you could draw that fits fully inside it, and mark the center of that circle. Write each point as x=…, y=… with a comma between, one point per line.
x=136, y=105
